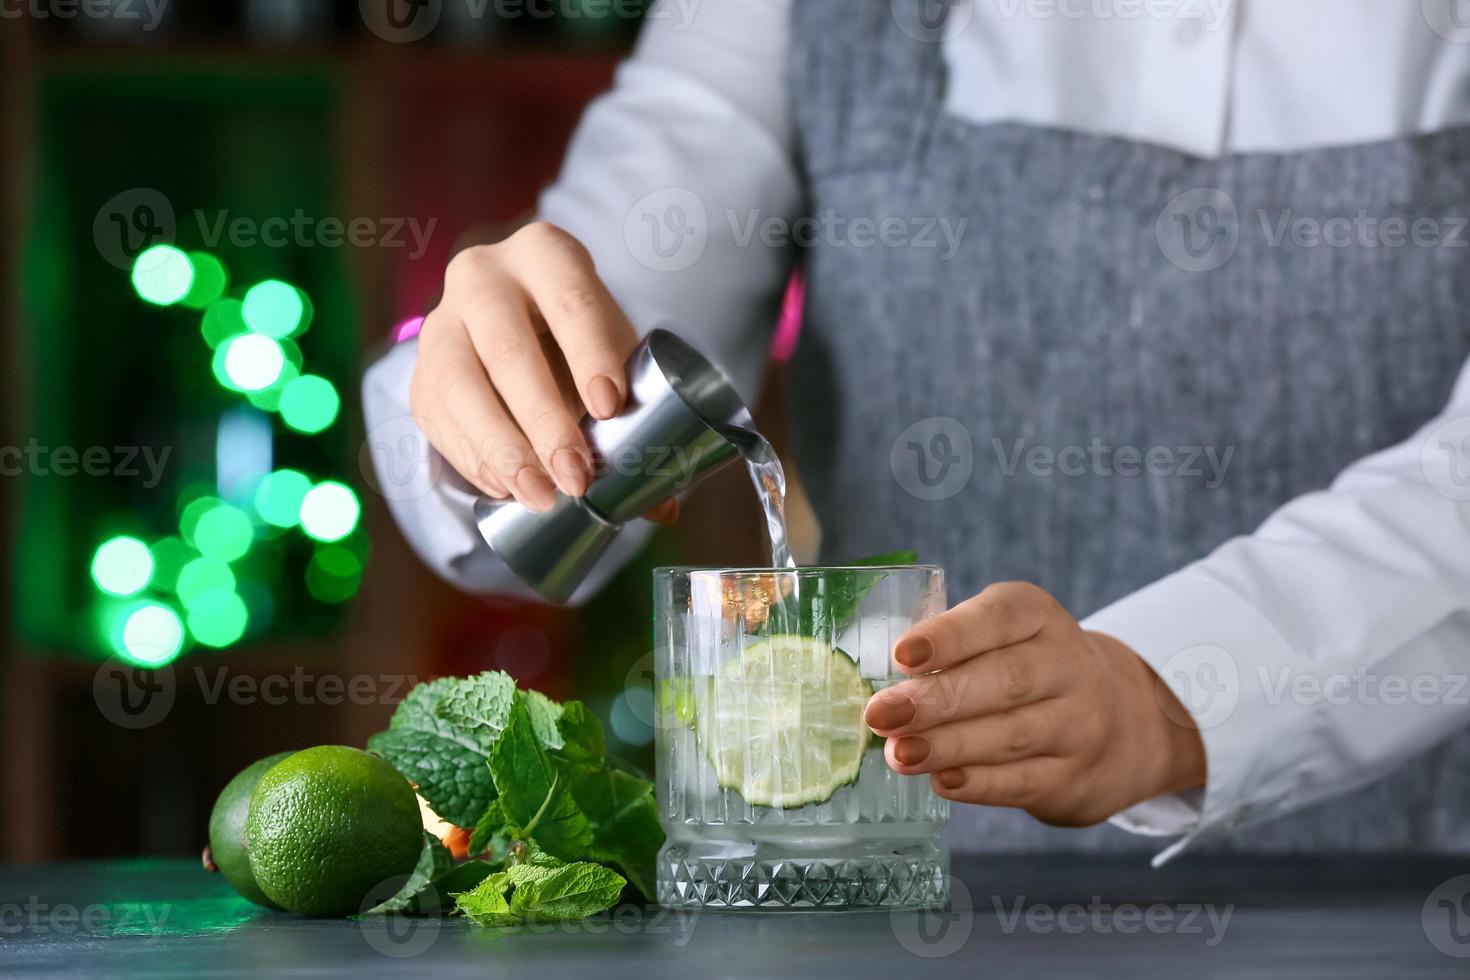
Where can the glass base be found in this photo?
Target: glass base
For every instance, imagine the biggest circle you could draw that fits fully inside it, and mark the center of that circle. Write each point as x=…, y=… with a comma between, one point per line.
x=772, y=876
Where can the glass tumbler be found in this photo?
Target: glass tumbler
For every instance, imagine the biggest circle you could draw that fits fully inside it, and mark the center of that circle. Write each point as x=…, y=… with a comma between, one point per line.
x=772, y=792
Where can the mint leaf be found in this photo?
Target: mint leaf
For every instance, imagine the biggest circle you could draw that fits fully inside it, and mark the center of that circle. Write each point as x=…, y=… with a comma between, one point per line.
x=827, y=610
x=460, y=878
x=486, y=904
x=490, y=825
x=479, y=702
x=446, y=761
x=531, y=792
x=433, y=862
x=581, y=733
x=624, y=816
x=572, y=891
x=545, y=715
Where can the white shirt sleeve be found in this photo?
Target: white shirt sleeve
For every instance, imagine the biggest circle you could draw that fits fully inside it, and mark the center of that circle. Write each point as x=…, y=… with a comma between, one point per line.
x=1324, y=650
x=692, y=146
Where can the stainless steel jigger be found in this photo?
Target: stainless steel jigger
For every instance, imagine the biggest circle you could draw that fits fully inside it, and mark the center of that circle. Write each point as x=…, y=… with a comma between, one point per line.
x=682, y=422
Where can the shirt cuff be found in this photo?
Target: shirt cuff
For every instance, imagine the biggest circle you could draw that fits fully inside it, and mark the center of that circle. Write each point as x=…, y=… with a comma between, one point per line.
x=1220, y=657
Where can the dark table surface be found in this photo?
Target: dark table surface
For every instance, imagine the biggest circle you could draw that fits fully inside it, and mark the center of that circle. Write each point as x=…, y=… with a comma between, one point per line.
x=1052, y=916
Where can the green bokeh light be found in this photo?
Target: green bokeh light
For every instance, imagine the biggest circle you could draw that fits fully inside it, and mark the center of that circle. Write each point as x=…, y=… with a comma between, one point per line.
x=193, y=510
x=310, y=404
x=218, y=618
x=252, y=361
x=170, y=555
x=222, y=321
x=224, y=532
x=162, y=275
x=274, y=308
x=152, y=634
x=203, y=576
x=334, y=574
x=210, y=281
x=122, y=566
x=329, y=511
x=278, y=497
x=269, y=399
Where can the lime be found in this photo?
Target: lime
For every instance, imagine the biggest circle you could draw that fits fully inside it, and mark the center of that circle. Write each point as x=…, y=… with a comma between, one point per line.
x=329, y=826
x=227, y=829
x=782, y=723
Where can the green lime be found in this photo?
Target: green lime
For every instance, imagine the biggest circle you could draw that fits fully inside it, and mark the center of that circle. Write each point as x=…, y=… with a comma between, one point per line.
x=782, y=723
x=329, y=826
x=227, y=829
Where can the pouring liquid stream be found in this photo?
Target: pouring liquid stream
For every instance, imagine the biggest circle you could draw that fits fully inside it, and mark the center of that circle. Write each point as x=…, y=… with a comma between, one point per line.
x=769, y=479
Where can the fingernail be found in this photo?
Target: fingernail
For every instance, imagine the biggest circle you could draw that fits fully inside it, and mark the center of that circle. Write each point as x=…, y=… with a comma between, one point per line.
x=571, y=472
x=952, y=778
x=889, y=711
x=534, y=490
x=911, y=750
x=603, y=395
x=914, y=651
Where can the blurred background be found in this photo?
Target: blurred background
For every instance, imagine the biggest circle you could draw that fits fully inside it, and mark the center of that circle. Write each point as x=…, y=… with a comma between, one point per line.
x=214, y=215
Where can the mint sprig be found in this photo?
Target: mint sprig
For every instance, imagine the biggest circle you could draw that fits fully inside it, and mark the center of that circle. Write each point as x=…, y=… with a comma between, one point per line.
x=530, y=777
x=541, y=893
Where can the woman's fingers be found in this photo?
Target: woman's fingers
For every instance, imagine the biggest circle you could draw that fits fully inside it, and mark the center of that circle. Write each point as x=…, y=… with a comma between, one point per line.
x=507, y=344
x=1002, y=615
x=1038, y=729
x=591, y=330
x=995, y=681
x=467, y=422
x=1027, y=784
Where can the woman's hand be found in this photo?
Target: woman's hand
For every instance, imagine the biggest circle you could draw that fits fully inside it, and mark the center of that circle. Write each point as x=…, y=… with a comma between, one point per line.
x=1013, y=704
x=525, y=341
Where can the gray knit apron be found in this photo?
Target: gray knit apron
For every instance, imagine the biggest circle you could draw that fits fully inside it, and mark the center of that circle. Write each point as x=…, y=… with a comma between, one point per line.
x=1105, y=295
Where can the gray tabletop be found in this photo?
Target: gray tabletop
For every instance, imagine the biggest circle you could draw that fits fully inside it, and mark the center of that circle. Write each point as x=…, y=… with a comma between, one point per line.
x=1052, y=916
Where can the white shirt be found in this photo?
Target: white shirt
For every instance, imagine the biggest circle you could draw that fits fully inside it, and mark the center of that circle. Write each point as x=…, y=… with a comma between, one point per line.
x=1315, y=654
